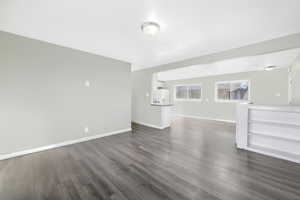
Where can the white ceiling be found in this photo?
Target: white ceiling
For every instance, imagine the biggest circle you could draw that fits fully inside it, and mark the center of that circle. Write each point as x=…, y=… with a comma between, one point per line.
x=281, y=59
x=189, y=28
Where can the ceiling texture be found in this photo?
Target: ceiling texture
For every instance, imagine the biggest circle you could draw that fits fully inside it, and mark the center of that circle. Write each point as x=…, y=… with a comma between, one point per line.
x=189, y=28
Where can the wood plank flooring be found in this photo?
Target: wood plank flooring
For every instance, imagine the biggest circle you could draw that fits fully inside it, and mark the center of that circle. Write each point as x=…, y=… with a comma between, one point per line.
x=194, y=159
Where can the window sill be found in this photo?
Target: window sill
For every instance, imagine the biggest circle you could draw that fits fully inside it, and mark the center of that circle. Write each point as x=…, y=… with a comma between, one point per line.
x=231, y=101
x=189, y=100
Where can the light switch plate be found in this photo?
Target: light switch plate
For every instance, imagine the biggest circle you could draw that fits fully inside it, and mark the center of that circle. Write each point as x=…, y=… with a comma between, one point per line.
x=87, y=83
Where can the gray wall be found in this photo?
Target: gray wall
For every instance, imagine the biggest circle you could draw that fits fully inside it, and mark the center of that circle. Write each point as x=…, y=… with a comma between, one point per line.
x=144, y=113
x=295, y=75
x=264, y=87
x=43, y=99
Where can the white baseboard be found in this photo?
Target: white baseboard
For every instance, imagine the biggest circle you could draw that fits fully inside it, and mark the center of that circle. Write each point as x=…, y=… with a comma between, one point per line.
x=52, y=146
x=150, y=125
x=205, y=118
x=163, y=127
x=273, y=155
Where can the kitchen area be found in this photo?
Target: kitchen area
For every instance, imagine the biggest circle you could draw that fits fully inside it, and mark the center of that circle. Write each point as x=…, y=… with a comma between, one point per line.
x=160, y=96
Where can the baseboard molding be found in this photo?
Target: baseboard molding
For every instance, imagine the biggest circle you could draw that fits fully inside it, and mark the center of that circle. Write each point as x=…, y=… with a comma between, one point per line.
x=274, y=155
x=150, y=125
x=70, y=142
x=204, y=118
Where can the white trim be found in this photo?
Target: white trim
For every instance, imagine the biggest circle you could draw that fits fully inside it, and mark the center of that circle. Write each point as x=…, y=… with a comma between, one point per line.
x=232, y=101
x=188, y=99
x=205, y=118
x=163, y=127
x=274, y=155
x=150, y=125
x=52, y=146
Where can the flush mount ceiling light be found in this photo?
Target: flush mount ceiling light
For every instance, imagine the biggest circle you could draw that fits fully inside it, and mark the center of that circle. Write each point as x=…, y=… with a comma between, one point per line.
x=150, y=28
x=270, y=68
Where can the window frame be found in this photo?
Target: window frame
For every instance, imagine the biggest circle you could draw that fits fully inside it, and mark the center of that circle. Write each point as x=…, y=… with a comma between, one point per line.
x=187, y=85
x=230, y=82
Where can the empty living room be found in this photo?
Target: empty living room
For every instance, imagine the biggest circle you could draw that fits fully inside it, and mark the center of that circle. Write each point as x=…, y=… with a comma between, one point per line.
x=150, y=100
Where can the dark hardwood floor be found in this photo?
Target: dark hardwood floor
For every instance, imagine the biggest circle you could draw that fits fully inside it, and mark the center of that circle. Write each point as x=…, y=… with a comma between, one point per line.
x=194, y=159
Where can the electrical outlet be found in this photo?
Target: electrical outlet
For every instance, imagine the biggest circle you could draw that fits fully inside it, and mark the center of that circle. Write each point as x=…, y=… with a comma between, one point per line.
x=86, y=129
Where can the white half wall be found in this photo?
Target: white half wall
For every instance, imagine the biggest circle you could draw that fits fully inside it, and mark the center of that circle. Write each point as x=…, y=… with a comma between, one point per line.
x=270, y=130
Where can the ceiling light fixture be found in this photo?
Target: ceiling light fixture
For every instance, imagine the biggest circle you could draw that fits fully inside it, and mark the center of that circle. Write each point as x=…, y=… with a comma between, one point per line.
x=150, y=28
x=270, y=68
